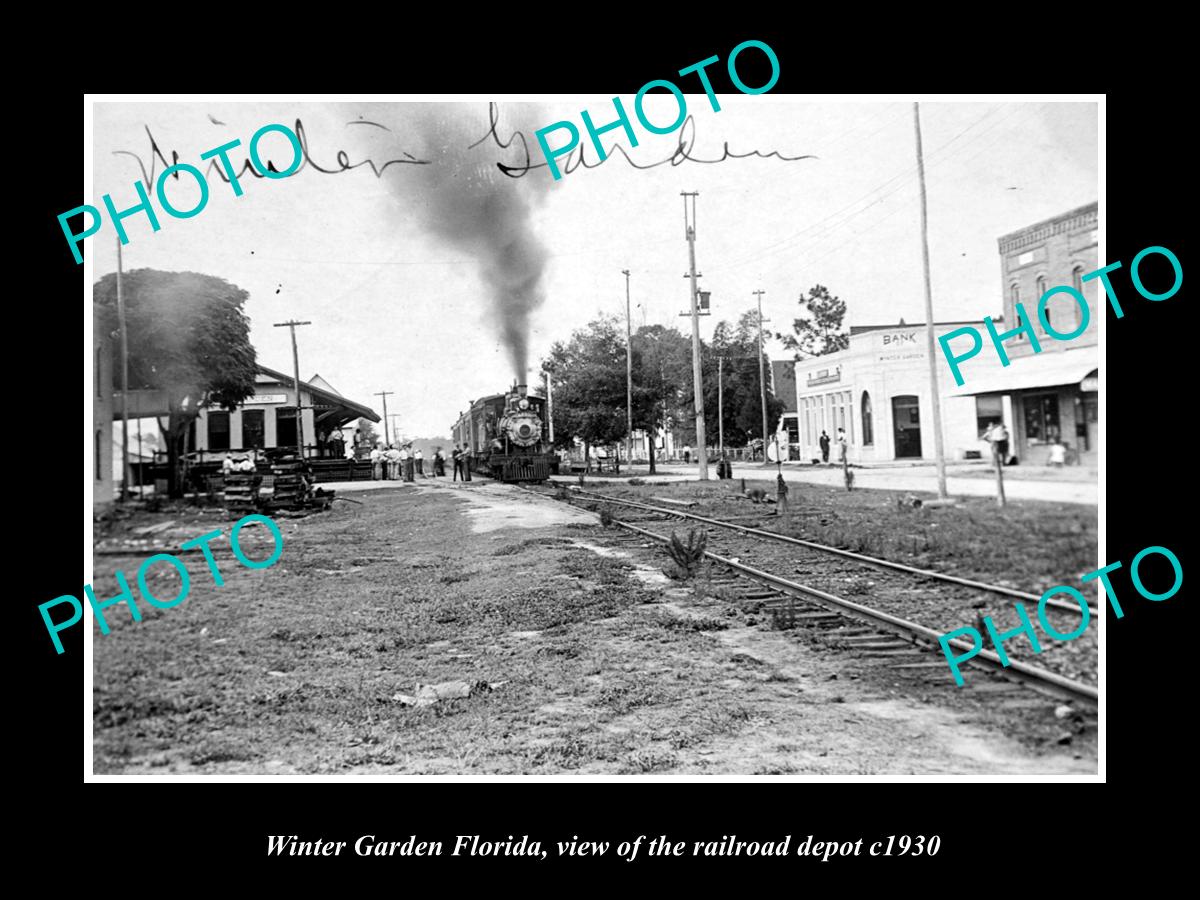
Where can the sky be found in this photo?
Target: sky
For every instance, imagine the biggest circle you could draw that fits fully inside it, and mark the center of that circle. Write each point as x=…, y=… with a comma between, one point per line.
x=420, y=279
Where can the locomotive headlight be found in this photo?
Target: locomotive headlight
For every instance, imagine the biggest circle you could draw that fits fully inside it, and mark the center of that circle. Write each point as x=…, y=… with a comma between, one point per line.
x=523, y=404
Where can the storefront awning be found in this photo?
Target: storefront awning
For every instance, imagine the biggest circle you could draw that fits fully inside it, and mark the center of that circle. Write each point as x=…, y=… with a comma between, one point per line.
x=1045, y=369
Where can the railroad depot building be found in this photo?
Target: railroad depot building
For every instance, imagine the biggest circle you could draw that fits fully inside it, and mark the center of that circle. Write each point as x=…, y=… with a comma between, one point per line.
x=267, y=419
x=878, y=391
x=1050, y=396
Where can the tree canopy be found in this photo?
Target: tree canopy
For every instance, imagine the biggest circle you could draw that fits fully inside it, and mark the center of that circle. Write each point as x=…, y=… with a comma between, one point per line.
x=740, y=375
x=588, y=378
x=819, y=328
x=187, y=336
x=187, y=332
x=662, y=380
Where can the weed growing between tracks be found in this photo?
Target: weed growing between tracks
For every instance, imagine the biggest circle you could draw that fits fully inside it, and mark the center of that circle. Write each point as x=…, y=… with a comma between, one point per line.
x=1029, y=545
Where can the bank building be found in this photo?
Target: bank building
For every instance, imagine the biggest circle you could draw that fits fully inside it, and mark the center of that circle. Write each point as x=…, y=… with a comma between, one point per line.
x=878, y=389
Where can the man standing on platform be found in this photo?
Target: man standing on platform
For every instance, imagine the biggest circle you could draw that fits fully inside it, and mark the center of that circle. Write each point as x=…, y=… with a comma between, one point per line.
x=376, y=463
x=456, y=458
x=419, y=457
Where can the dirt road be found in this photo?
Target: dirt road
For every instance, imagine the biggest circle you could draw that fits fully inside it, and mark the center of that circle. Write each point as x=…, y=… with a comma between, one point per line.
x=597, y=663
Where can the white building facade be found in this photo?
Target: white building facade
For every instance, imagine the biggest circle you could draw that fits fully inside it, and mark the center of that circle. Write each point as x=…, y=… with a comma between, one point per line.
x=878, y=391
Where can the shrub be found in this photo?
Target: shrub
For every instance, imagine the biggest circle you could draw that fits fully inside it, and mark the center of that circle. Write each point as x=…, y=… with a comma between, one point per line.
x=689, y=555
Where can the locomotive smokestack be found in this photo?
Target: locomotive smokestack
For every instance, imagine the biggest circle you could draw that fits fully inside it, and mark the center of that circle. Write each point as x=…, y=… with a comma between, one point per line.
x=522, y=390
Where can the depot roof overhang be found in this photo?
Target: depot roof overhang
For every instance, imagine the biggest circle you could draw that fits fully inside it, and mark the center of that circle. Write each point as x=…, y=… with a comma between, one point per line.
x=325, y=400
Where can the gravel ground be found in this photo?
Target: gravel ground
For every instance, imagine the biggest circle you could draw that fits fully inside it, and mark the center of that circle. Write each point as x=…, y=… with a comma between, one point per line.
x=978, y=541
x=595, y=662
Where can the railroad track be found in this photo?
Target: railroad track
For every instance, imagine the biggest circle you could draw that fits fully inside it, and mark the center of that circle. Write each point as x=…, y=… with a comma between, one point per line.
x=873, y=561
x=901, y=645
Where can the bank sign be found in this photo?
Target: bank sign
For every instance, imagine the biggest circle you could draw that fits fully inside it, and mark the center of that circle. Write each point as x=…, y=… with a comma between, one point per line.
x=899, y=345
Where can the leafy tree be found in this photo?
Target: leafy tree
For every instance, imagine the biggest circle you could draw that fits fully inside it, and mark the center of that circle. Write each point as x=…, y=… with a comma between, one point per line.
x=187, y=336
x=740, y=375
x=662, y=381
x=588, y=378
x=819, y=330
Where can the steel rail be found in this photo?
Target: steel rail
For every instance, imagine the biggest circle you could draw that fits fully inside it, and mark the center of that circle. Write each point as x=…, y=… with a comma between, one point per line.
x=857, y=557
x=1032, y=675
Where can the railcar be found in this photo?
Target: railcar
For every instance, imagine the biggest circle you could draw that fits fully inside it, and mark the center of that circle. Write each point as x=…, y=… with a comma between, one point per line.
x=506, y=437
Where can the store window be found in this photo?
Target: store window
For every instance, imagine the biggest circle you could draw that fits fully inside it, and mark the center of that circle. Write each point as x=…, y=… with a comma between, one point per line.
x=989, y=410
x=1041, y=418
x=218, y=430
x=868, y=425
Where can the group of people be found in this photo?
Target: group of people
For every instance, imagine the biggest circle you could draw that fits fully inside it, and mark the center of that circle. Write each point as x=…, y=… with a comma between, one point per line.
x=241, y=463
x=399, y=462
x=403, y=462
x=842, y=443
x=331, y=445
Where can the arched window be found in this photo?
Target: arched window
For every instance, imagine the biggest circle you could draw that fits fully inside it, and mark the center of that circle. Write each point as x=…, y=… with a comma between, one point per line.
x=1015, y=292
x=868, y=426
x=1077, y=278
x=1041, y=292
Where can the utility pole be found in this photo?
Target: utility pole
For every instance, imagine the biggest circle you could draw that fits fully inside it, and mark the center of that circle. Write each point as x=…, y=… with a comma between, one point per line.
x=697, y=376
x=628, y=377
x=291, y=325
x=387, y=441
x=124, y=382
x=141, y=461
x=931, y=344
x=762, y=377
x=721, y=405
x=550, y=406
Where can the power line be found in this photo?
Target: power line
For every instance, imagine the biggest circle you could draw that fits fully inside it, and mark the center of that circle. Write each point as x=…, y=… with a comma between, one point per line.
x=900, y=208
x=902, y=177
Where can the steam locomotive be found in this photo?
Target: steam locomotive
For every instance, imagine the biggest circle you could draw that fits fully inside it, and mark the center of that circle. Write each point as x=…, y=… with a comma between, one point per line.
x=506, y=437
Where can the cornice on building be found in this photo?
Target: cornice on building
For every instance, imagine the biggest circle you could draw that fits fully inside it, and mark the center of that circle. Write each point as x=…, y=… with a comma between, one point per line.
x=1081, y=219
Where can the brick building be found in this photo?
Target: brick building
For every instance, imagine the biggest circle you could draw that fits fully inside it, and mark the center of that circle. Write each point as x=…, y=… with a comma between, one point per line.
x=1049, y=396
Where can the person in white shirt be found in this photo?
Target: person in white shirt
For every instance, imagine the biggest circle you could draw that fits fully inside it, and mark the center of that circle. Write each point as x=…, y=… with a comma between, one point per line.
x=420, y=460
x=393, y=456
x=843, y=444
x=376, y=463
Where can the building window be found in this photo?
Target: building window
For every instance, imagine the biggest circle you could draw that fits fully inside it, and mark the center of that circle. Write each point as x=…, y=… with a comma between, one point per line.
x=1041, y=292
x=99, y=466
x=254, y=429
x=218, y=430
x=1015, y=293
x=989, y=410
x=1041, y=418
x=1077, y=278
x=868, y=426
x=96, y=375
